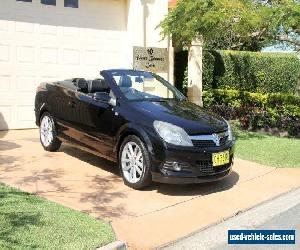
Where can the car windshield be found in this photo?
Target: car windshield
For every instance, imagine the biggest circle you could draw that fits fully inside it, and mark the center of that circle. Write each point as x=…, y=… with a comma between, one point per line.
x=141, y=85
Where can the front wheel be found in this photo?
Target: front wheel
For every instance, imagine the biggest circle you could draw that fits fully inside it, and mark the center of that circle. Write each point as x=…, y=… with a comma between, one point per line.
x=48, y=137
x=134, y=163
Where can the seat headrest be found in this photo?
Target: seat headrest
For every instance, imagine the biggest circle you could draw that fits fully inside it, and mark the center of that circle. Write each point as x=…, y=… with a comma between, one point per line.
x=125, y=82
x=98, y=86
x=81, y=83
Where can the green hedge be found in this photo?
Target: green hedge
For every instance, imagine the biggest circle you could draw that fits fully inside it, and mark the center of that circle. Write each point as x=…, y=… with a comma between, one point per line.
x=256, y=110
x=251, y=71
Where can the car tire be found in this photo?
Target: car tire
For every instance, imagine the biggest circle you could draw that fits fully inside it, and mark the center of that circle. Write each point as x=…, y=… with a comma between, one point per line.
x=134, y=163
x=48, y=133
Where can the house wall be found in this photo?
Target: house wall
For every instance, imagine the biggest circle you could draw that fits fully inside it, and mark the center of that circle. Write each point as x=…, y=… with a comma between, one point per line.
x=45, y=43
x=143, y=19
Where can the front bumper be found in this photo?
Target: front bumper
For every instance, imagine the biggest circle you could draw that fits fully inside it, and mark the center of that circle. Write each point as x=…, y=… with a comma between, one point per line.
x=196, y=165
x=157, y=177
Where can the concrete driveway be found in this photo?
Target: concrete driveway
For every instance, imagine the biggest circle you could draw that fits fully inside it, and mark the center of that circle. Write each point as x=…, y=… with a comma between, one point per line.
x=143, y=219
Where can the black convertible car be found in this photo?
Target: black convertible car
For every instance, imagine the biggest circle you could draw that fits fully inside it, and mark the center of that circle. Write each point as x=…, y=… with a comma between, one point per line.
x=140, y=121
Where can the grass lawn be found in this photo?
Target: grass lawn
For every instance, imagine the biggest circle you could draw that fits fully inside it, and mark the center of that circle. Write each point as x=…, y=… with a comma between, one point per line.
x=266, y=149
x=27, y=221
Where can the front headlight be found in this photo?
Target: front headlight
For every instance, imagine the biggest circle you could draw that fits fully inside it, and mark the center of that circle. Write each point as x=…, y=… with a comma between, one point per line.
x=230, y=134
x=172, y=134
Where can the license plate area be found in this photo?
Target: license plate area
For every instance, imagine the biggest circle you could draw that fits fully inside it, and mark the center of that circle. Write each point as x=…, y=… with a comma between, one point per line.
x=221, y=158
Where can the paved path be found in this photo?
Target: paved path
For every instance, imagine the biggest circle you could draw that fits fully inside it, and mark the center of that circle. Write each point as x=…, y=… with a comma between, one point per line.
x=282, y=212
x=143, y=219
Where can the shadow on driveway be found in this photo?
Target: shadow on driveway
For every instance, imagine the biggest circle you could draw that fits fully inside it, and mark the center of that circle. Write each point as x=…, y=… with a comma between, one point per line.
x=201, y=188
x=8, y=145
x=89, y=183
x=91, y=159
x=166, y=189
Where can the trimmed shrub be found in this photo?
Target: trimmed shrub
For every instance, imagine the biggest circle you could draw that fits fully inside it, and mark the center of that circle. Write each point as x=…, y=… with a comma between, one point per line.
x=251, y=71
x=256, y=110
x=209, y=60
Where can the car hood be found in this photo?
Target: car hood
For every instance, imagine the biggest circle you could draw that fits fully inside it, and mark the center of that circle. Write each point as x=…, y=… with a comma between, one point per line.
x=192, y=118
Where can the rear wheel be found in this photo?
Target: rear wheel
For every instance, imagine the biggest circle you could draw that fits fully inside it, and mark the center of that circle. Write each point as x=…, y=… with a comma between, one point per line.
x=48, y=135
x=134, y=163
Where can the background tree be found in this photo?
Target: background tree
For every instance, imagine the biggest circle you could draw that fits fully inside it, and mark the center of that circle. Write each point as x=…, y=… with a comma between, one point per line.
x=285, y=25
x=235, y=24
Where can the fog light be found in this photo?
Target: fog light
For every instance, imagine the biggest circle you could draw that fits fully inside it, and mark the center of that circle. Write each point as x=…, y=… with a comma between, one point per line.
x=176, y=166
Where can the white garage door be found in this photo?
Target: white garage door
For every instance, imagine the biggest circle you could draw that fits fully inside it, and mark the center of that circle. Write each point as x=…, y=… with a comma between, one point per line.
x=41, y=42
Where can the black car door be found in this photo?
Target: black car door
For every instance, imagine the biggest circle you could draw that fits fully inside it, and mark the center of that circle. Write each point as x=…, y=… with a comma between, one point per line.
x=74, y=117
x=80, y=120
x=103, y=122
x=91, y=123
x=100, y=131
x=61, y=104
x=88, y=122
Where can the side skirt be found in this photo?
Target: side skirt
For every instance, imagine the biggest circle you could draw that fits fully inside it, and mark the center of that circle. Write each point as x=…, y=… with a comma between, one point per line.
x=86, y=149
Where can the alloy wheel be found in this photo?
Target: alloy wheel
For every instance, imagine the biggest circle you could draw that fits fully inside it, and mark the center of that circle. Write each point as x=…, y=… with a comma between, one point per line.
x=132, y=162
x=46, y=131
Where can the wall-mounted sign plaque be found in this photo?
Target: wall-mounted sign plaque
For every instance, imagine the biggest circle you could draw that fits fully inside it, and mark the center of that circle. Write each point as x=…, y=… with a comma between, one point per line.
x=150, y=59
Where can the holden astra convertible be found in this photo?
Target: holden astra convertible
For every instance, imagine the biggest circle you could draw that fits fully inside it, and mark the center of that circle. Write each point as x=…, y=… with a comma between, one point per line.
x=140, y=121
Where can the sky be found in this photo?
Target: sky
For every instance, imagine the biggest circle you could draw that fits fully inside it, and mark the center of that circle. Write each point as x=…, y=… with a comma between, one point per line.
x=278, y=48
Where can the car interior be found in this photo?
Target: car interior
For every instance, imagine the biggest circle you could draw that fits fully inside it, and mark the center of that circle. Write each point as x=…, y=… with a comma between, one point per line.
x=133, y=87
x=141, y=87
x=91, y=86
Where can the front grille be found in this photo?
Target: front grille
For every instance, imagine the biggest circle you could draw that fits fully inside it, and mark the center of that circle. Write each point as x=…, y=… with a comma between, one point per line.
x=207, y=168
x=203, y=144
x=209, y=143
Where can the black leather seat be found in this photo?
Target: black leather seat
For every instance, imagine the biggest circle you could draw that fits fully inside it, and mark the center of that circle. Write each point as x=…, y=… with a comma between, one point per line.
x=98, y=85
x=125, y=82
x=81, y=84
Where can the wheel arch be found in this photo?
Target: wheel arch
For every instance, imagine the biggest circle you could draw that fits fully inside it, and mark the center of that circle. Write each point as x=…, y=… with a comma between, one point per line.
x=43, y=110
x=44, y=107
x=131, y=129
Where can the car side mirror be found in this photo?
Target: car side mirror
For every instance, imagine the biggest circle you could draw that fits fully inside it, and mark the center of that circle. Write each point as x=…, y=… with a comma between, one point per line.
x=104, y=97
